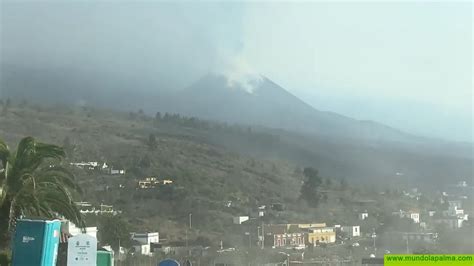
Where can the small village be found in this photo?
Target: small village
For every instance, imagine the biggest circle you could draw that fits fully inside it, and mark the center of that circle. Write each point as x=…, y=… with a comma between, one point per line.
x=269, y=234
x=236, y=133
x=290, y=243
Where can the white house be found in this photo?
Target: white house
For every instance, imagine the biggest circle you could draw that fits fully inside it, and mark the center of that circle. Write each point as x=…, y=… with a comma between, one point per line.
x=415, y=216
x=86, y=165
x=142, y=242
x=363, y=215
x=454, y=204
x=142, y=249
x=70, y=228
x=351, y=231
x=454, y=216
x=146, y=238
x=117, y=171
x=240, y=219
x=89, y=208
x=453, y=211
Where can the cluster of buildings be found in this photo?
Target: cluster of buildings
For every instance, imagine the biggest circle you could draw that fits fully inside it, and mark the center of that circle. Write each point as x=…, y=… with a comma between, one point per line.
x=453, y=218
x=104, y=167
x=414, y=215
x=300, y=236
x=145, y=243
x=454, y=215
x=413, y=194
x=142, y=243
x=89, y=208
x=152, y=182
x=149, y=243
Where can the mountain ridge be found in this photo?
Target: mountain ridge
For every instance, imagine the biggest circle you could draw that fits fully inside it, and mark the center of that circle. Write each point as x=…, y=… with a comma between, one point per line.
x=273, y=106
x=210, y=97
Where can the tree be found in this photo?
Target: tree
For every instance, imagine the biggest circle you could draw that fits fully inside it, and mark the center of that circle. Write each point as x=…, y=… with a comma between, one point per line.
x=167, y=117
x=152, y=143
x=114, y=230
x=145, y=162
x=32, y=183
x=158, y=116
x=311, y=184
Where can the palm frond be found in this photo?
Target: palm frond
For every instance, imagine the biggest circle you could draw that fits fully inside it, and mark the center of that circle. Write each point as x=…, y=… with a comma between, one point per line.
x=60, y=174
x=4, y=156
x=31, y=154
x=60, y=201
x=4, y=152
x=34, y=187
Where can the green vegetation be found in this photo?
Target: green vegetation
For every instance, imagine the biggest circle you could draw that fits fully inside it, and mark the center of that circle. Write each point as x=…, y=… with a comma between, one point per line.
x=310, y=189
x=114, y=231
x=211, y=165
x=33, y=183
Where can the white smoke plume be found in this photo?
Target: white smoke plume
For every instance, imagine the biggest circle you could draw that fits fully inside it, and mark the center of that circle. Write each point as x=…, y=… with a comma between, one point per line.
x=239, y=73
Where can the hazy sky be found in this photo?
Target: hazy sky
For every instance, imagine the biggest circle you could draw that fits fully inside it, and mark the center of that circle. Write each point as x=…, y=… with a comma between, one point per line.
x=408, y=65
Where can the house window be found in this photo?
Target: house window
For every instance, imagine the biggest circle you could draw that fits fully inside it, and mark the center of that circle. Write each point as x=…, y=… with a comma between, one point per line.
x=278, y=242
x=355, y=229
x=284, y=241
x=299, y=241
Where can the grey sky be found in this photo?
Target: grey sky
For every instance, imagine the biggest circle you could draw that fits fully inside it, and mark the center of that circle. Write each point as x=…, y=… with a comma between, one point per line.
x=408, y=65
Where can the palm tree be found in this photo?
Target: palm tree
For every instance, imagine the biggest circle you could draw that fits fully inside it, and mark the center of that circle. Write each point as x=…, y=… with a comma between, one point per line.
x=32, y=183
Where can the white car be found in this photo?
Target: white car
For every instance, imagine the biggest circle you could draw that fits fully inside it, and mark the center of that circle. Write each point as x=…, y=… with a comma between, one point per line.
x=356, y=244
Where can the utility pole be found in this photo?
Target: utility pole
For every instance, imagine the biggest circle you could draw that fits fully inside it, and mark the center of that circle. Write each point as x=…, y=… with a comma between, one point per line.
x=250, y=238
x=190, y=221
x=375, y=248
x=118, y=257
x=408, y=251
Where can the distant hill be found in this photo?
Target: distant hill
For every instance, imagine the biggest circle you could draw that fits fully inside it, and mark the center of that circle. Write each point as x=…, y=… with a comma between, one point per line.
x=265, y=105
x=421, y=163
x=211, y=97
x=270, y=105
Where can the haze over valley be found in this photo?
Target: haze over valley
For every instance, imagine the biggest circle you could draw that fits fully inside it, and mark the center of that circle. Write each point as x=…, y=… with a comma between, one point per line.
x=236, y=133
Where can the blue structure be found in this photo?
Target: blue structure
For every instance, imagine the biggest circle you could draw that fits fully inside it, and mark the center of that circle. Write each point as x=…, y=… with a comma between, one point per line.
x=168, y=262
x=36, y=242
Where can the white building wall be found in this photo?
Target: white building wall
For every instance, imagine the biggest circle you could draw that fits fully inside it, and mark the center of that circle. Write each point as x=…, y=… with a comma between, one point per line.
x=146, y=238
x=352, y=231
x=240, y=219
x=73, y=230
x=415, y=217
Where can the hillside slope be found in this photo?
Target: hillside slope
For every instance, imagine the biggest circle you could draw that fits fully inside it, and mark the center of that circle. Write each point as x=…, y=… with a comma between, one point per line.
x=211, y=97
x=212, y=164
x=268, y=104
